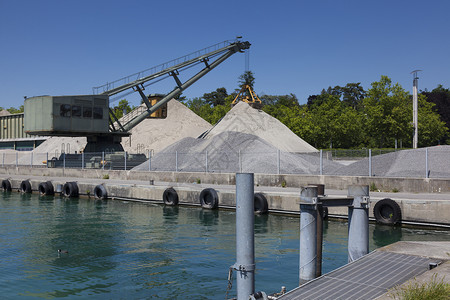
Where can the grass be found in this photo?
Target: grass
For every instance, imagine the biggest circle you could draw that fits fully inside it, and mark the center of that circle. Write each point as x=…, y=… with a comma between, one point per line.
x=373, y=187
x=432, y=290
x=395, y=190
x=106, y=176
x=283, y=183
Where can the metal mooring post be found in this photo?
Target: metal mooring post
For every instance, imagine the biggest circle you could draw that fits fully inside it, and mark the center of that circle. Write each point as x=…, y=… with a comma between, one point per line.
x=245, y=240
x=308, y=233
x=82, y=160
x=358, y=222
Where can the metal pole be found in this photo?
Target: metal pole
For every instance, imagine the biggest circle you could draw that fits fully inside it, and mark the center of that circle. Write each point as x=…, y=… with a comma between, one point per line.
x=125, y=157
x=103, y=160
x=64, y=160
x=17, y=159
x=278, y=162
x=46, y=160
x=415, y=109
x=206, y=161
x=31, y=160
x=370, y=162
x=426, y=163
x=245, y=240
x=82, y=160
x=240, y=162
x=321, y=162
x=149, y=160
x=308, y=233
x=358, y=222
x=176, y=161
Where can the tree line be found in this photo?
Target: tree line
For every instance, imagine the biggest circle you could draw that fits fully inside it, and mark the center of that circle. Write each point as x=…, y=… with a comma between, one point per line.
x=346, y=116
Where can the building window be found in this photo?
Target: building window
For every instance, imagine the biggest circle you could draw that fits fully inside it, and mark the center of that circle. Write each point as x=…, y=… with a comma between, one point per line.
x=65, y=110
x=76, y=111
x=98, y=113
x=87, y=112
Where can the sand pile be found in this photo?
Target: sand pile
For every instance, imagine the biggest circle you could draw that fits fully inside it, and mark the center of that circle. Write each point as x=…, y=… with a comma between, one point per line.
x=157, y=134
x=231, y=151
x=245, y=119
x=405, y=163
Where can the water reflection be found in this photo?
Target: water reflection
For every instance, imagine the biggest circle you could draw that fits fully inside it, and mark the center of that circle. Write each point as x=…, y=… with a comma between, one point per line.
x=383, y=235
x=208, y=217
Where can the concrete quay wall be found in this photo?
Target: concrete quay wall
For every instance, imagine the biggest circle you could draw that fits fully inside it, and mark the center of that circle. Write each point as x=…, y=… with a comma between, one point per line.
x=409, y=185
x=419, y=209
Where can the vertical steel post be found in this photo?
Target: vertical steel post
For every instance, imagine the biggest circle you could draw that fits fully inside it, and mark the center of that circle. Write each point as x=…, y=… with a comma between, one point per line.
x=358, y=222
x=176, y=161
x=31, y=160
x=245, y=240
x=17, y=159
x=125, y=157
x=278, y=162
x=149, y=160
x=103, y=160
x=82, y=160
x=239, y=161
x=370, y=162
x=308, y=233
x=206, y=161
x=426, y=163
x=47, y=160
x=64, y=160
x=321, y=162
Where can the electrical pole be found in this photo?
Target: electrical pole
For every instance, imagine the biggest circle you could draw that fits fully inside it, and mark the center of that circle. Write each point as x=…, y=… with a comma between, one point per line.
x=415, y=108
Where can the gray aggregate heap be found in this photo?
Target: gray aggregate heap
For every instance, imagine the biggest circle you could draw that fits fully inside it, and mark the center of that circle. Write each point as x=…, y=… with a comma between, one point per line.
x=232, y=151
x=404, y=163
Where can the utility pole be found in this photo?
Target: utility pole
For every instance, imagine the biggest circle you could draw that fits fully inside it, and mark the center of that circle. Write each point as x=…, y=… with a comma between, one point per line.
x=415, y=108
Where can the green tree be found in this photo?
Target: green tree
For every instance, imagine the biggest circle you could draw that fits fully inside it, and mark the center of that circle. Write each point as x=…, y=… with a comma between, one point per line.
x=387, y=112
x=217, y=97
x=14, y=110
x=246, y=79
x=122, y=108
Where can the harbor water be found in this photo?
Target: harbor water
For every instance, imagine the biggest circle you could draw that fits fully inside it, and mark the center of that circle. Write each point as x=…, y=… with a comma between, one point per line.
x=129, y=250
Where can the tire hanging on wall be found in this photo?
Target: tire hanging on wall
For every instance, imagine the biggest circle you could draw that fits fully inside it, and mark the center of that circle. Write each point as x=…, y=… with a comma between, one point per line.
x=6, y=185
x=170, y=197
x=260, y=204
x=209, y=198
x=387, y=211
x=25, y=187
x=70, y=189
x=100, y=192
x=46, y=188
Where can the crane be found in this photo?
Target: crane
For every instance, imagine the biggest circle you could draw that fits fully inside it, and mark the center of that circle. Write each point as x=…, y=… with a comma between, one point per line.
x=91, y=116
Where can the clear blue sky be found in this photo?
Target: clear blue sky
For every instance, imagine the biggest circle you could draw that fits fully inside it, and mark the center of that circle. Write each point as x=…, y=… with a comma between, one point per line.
x=300, y=47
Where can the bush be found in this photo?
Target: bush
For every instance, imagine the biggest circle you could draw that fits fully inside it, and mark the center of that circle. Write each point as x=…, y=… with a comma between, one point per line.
x=432, y=290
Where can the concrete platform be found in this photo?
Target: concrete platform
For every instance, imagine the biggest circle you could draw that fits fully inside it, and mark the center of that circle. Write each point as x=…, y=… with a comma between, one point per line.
x=375, y=275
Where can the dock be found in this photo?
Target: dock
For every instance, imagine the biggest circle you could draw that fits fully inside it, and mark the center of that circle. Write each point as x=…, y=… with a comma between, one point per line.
x=375, y=274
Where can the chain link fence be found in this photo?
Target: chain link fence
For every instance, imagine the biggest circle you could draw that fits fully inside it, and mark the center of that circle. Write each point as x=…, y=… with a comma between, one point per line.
x=419, y=163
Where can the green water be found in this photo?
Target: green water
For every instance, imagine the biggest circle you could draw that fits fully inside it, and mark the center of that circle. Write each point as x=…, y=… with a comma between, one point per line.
x=121, y=250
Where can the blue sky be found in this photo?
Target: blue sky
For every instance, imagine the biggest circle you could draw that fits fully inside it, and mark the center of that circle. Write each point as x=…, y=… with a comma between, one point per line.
x=300, y=47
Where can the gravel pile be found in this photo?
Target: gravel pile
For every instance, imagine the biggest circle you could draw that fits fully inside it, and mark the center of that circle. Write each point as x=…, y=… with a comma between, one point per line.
x=405, y=163
x=245, y=119
x=231, y=151
x=157, y=134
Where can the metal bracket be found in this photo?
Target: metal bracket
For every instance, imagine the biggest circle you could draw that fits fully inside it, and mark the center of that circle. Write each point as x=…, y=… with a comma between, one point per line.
x=174, y=74
x=205, y=61
x=243, y=268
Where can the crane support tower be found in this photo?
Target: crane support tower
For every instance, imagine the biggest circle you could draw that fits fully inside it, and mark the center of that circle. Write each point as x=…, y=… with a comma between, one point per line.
x=91, y=116
x=247, y=95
